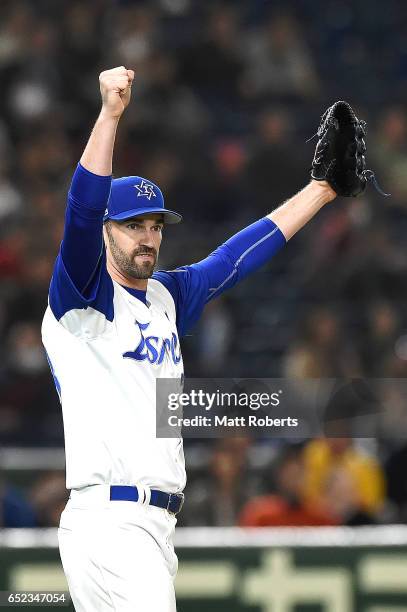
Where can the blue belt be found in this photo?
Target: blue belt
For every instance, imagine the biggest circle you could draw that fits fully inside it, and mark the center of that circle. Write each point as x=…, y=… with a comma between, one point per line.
x=172, y=502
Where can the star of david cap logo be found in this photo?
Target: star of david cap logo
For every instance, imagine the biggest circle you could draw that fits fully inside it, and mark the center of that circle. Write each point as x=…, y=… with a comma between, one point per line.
x=133, y=196
x=145, y=190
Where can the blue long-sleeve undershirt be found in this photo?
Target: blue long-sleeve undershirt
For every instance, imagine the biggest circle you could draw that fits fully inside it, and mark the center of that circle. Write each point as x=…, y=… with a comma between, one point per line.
x=80, y=275
x=82, y=243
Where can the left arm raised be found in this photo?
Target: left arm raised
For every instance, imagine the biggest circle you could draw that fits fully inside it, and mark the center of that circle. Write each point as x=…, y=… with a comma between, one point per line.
x=298, y=210
x=193, y=286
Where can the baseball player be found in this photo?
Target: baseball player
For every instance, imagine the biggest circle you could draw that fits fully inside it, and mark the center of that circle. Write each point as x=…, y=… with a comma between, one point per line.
x=112, y=327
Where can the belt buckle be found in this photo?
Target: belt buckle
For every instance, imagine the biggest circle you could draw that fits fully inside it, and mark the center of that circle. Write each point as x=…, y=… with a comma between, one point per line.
x=177, y=495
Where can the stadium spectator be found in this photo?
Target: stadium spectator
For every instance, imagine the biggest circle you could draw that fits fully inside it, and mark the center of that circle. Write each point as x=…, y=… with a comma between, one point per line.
x=285, y=507
x=214, y=337
x=217, y=498
x=278, y=62
x=48, y=496
x=272, y=149
x=378, y=342
x=15, y=509
x=390, y=151
x=212, y=65
x=27, y=402
x=323, y=350
x=341, y=501
x=325, y=459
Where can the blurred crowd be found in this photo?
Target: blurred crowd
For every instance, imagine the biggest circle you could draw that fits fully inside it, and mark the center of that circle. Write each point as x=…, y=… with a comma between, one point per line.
x=225, y=97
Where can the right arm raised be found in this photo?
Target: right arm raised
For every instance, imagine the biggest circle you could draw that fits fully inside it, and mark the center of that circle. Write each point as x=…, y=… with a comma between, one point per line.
x=115, y=89
x=82, y=243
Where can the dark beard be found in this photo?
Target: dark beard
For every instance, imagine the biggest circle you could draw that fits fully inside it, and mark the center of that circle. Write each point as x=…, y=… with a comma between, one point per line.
x=127, y=265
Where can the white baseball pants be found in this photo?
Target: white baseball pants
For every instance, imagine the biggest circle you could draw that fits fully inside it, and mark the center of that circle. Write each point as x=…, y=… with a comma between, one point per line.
x=117, y=555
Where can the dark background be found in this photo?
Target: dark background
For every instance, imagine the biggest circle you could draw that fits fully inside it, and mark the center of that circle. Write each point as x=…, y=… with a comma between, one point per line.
x=226, y=95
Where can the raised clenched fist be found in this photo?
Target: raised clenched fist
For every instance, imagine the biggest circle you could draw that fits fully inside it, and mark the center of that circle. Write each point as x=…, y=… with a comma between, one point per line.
x=115, y=89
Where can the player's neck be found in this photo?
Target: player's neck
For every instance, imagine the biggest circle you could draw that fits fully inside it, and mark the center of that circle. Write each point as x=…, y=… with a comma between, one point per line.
x=126, y=281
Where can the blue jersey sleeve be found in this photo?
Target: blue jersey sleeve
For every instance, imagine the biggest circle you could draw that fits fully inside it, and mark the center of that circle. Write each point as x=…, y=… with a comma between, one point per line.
x=64, y=295
x=193, y=286
x=80, y=278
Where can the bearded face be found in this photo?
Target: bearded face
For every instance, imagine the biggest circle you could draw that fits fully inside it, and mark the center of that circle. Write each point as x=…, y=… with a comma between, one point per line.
x=134, y=246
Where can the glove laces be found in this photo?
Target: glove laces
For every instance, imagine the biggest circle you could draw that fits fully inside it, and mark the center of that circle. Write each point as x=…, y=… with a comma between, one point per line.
x=369, y=175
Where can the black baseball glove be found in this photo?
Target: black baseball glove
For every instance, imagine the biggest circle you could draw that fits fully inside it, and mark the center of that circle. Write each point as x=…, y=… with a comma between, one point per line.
x=340, y=152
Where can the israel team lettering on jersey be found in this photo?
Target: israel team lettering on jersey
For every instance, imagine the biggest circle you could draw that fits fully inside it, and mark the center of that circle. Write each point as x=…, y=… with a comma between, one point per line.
x=107, y=344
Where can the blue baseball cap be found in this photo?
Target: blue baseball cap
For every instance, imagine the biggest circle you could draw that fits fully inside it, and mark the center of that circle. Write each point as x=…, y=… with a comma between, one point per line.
x=133, y=196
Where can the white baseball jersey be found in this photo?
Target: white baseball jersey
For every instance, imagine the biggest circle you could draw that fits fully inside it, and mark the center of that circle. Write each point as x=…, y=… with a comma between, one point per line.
x=106, y=372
